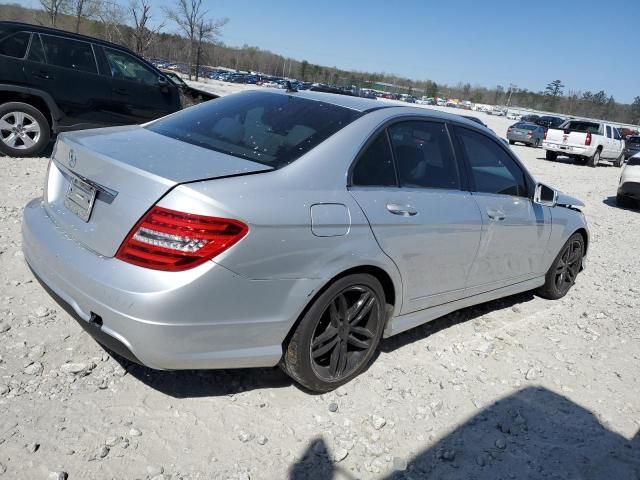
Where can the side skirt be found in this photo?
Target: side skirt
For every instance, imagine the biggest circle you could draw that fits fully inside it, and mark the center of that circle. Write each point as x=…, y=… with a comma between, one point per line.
x=405, y=322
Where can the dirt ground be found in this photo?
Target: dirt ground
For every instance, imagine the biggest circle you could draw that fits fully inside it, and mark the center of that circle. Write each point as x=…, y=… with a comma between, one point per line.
x=513, y=389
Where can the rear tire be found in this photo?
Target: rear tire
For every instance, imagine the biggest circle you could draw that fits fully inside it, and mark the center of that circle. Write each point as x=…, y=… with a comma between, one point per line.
x=563, y=271
x=623, y=201
x=24, y=130
x=619, y=161
x=553, y=156
x=594, y=160
x=511, y=142
x=338, y=335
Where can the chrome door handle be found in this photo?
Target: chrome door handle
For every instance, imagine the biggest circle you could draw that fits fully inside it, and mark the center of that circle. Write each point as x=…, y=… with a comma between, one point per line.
x=403, y=210
x=496, y=215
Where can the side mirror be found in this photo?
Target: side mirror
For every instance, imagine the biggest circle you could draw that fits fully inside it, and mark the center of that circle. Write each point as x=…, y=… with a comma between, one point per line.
x=162, y=81
x=546, y=196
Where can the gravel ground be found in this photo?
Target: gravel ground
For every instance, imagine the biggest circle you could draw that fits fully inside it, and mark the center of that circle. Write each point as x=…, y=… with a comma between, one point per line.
x=512, y=389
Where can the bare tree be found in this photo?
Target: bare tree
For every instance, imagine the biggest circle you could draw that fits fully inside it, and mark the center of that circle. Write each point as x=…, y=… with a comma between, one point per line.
x=53, y=9
x=207, y=31
x=112, y=17
x=142, y=33
x=189, y=16
x=83, y=9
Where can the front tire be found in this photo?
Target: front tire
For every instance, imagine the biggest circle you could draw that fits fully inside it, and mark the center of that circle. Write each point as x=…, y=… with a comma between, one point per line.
x=338, y=335
x=553, y=156
x=24, y=130
x=565, y=268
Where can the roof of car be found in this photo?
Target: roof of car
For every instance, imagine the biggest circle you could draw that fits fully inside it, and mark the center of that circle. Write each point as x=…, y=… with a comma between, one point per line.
x=354, y=103
x=55, y=31
x=367, y=105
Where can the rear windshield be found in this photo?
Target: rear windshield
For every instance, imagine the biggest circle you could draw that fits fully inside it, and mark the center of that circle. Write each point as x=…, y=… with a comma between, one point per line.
x=268, y=128
x=633, y=161
x=526, y=126
x=577, y=126
x=633, y=140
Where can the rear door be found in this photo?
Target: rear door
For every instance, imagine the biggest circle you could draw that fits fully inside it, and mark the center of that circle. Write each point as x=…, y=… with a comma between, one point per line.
x=66, y=69
x=515, y=231
x=137, y=96
x=13, y=50
x=608, y=148
x=408, y=183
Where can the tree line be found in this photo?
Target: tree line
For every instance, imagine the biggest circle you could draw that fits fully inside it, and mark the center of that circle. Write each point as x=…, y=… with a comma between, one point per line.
x=187, y=33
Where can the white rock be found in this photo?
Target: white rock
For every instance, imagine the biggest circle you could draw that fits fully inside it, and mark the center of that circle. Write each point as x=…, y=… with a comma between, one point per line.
x=41, y=312
x=35, y=368
x=378, y=422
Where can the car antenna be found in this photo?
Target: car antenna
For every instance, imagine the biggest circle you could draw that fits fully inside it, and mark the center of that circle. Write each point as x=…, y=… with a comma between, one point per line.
x=290, y=88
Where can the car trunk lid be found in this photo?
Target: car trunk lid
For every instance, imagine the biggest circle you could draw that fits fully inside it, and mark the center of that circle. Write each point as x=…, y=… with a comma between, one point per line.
x=129, y=169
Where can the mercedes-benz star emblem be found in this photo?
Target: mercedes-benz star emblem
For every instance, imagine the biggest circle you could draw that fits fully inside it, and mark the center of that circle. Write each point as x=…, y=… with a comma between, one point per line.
x=72, y=159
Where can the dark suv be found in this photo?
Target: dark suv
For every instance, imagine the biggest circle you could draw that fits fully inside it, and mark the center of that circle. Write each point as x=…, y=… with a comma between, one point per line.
x=53, y=81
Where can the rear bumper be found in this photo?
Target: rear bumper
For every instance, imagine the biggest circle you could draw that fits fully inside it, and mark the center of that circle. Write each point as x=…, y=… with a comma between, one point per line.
x=207, y=317
x=520, y=138
x=585, y=151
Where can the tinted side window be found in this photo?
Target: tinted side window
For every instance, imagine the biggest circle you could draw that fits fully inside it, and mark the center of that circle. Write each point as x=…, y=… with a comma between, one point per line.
x=128, y=68
x=492, y=169
x=15, y=45
x=375, y=165
x=608, y=131
x=616, y=134
x=36, y=52
x=423, y=155
x=67, y=53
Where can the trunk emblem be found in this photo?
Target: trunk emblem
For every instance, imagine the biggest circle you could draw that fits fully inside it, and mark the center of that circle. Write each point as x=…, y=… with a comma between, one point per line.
x=72, y=159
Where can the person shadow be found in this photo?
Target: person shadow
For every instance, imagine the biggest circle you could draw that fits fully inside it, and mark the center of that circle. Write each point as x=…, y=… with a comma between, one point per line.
x=534, y=433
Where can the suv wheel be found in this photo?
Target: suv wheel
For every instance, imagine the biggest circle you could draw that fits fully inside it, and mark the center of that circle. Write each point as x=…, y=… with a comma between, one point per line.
x=24, y=130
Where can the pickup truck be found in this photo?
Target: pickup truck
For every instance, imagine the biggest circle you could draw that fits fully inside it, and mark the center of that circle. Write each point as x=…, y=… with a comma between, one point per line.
x=586, y=141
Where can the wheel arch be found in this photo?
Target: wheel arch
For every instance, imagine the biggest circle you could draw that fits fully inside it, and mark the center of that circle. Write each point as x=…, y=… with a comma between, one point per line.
x=36, y=98
x=392, y=292
x=585, y=237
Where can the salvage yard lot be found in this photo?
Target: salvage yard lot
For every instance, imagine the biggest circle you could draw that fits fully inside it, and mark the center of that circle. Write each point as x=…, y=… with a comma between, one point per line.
x=517, y=388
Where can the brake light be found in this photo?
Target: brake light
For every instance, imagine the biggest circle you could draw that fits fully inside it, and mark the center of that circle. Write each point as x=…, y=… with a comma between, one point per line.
x=509, y=130
x=529, y=134
x=587, y=140
x=174, y=241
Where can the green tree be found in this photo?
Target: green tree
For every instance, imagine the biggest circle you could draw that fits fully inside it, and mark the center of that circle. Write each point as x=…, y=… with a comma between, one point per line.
x=304, y=68
x=554, y=89
x=635, y=110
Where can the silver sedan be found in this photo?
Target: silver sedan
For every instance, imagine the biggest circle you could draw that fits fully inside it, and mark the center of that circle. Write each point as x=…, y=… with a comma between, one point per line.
x=291, y=228
x=527, y=133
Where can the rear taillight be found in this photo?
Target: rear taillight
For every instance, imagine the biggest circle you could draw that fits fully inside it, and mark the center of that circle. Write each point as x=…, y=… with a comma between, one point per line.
x=587, y=140
x=509, y=130
x=173, y=241
x=545, y=134
x=529, y=134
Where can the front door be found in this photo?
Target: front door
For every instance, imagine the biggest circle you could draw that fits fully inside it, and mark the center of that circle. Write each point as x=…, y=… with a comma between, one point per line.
x=418, y=212
x=515, y=231
x=136, y=92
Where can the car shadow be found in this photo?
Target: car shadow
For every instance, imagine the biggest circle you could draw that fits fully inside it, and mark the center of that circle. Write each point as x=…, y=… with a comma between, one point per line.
x=454, y=318
x=611, y=202
x=205, y=383
x=532, y=434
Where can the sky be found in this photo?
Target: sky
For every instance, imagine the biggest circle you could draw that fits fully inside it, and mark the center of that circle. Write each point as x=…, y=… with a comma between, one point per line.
x=588, y=44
